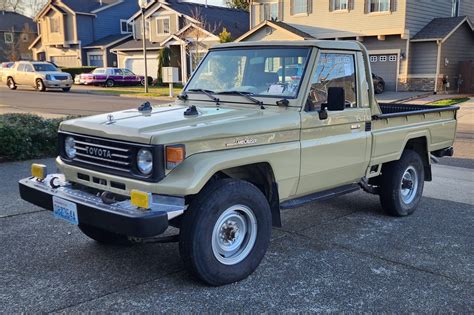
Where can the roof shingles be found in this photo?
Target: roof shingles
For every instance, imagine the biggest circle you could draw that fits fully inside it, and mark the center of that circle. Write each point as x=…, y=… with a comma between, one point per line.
x=438, y=28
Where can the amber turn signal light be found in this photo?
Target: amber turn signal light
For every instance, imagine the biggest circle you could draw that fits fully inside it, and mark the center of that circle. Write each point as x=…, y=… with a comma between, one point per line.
x=175, y=154
x=39, y=171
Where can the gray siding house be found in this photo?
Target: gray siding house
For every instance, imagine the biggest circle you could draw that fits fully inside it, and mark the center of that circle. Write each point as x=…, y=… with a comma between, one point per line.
x=188, y=29
x=82, y=32
x=16, y=34
x=423, y=45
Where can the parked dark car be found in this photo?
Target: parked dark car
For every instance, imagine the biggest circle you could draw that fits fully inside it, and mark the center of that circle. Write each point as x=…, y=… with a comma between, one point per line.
x=110, y=77
x=379, y=84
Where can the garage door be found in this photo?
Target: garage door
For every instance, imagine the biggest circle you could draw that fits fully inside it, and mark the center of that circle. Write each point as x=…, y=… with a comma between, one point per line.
x=137, y=66
x=385, y=66
x=65, y=61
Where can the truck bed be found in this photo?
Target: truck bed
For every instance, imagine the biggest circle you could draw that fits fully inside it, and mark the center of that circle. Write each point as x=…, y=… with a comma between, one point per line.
x=397, y=110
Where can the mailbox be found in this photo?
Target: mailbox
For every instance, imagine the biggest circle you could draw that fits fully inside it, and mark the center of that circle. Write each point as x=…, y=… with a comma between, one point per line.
x=170, y=75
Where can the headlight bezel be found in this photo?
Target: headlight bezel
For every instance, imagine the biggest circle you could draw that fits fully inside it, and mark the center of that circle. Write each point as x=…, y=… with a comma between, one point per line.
x=68, y=141
x=145, y=155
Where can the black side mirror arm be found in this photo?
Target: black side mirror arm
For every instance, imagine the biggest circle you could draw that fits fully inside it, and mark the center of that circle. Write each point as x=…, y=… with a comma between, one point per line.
x=323, y=113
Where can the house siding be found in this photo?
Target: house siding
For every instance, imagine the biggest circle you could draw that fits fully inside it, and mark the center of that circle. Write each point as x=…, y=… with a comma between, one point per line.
x=85, y=29
x=108, y=21
x=154, y=37
x=423, y=58
x=467, y=8
x=459, y=47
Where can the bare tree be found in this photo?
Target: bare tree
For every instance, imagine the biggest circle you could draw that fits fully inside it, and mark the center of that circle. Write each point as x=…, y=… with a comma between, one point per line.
x=26, y=7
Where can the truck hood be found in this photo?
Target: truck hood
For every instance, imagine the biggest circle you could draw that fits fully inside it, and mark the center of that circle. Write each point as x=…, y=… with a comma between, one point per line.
x=168, y=124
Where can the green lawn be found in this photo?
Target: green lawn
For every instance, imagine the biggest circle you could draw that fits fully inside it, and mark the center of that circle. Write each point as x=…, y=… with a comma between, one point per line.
x=450, y=101
x=139, y=91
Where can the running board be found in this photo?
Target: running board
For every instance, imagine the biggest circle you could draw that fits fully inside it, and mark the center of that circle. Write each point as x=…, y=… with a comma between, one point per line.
x=319, y=196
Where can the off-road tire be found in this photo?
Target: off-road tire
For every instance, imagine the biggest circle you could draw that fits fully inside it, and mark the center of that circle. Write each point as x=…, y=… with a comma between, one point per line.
x=40, y=85
x=109, y=83
x=199, y=221
x=66, y=89
x=391, y=189
x=11, y=84
x=104, y=237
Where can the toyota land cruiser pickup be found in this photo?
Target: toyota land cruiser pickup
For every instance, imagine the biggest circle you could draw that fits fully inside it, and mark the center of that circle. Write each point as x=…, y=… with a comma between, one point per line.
x=243, y=140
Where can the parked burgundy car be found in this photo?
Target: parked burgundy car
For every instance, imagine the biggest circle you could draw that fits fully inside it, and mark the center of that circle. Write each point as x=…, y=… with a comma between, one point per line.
x=111, y=77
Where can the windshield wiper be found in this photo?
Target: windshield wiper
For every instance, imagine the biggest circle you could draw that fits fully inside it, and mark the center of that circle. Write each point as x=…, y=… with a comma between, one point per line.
x=247, y=95
x=206, y=92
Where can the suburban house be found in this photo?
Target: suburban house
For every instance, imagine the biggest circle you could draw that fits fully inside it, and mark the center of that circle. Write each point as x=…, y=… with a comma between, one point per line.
x=187, y=29
x=16, y=34
x=81, y=32
x=412, y=43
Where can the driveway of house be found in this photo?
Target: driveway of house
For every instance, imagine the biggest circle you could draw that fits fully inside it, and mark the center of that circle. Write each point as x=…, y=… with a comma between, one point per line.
x=394, y=97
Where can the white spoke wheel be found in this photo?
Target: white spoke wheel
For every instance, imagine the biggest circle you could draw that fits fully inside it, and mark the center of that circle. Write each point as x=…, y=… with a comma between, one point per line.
x=234, y=234
x=402, y=184
x=40, y=85
x=225, y=231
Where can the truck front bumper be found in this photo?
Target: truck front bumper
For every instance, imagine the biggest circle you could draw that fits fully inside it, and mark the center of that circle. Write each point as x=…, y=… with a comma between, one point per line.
x=120, y=217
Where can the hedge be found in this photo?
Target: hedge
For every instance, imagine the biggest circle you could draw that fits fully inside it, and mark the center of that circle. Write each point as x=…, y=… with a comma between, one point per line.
x=78, y=70
x=27, y=136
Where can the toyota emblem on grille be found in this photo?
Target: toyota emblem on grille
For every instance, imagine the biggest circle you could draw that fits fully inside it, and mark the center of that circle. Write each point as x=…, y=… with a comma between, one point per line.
x=99, y=152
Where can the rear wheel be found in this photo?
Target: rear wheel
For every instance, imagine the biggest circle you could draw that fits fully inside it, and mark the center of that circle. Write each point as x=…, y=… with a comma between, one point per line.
x=379, y=88
x=40, y=85
x=225, y=232
x=402, y=184
x=103, y=236
x=109, y=83
x=11, y=84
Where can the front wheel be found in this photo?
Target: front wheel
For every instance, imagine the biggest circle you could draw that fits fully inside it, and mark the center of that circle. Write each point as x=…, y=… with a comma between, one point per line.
x=225, y=232
x=379, y=88
x=40, y=85
x=11, y=84
x=103, y=236
x=402, y=184
x=109, y=83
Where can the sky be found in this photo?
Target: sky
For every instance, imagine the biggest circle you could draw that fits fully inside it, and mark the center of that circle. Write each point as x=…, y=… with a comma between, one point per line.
x=210, y=2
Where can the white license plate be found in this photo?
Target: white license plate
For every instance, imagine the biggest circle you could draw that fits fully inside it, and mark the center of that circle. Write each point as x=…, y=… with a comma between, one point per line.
x=65, y=210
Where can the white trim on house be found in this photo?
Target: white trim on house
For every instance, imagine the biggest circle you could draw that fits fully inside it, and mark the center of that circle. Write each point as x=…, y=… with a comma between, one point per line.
x=263, y=24
x=158, y=19
x=107, y=6
x=128, y=24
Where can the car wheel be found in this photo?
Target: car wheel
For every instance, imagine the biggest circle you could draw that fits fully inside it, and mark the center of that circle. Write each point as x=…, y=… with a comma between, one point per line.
x=103, y=236
x=225, y=232
x=379, y=88
x=66, y=89
x=402, y=184
x=109, y=83
x=142, y=82
x=40, y=85
x=11, y=84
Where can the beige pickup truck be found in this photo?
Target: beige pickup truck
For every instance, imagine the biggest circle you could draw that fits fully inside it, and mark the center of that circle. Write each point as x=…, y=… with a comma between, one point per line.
x=248, y=136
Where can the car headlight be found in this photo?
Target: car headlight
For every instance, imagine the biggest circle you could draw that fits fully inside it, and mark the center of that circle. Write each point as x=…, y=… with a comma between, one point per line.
x=69, y=147
x=145, y=161
x=48, y=77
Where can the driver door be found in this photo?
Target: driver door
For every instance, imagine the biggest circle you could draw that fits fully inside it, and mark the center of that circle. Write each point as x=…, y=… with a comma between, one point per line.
x=333, y=150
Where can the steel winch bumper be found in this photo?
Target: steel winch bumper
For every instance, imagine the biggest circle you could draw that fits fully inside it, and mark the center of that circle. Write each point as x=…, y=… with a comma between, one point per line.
x=120, y=217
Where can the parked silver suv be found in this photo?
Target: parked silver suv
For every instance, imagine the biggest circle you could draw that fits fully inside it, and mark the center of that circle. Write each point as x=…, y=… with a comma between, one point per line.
x=40, y=75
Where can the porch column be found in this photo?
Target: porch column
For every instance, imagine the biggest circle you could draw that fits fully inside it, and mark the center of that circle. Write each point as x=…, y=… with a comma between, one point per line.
x=184, y=64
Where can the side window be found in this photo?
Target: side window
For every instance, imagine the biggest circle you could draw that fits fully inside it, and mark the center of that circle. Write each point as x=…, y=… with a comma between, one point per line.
x=118, y=72
x=333, y=70
x=21, y=68
x=28, y=68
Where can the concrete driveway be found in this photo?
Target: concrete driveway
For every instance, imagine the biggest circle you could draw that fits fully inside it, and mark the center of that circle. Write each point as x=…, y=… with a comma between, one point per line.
x=342, y=255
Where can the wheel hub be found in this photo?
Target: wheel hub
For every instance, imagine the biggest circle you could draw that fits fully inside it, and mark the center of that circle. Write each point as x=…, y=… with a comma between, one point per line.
x=409, y=185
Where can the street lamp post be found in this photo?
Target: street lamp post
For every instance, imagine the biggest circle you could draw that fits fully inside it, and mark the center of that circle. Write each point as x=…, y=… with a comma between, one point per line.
x=142, y=4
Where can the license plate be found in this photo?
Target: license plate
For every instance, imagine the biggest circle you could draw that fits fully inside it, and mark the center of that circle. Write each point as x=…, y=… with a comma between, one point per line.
x=65, y=210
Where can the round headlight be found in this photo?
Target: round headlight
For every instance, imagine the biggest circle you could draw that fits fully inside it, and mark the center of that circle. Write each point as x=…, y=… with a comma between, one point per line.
x=145, y=161
x=69, y=147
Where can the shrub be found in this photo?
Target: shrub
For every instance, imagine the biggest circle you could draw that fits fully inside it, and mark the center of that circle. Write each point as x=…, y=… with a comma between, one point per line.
x=78, y=70
x=27, y=136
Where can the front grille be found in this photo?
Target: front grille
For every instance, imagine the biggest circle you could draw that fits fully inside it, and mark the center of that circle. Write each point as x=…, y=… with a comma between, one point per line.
x=111, y=156
x=60, y=77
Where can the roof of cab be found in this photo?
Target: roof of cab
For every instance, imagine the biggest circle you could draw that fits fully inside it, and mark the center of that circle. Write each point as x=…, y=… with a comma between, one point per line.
x=322, y=44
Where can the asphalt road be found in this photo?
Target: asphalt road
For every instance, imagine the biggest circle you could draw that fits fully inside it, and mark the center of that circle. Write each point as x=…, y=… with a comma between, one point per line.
x=56, y=102
x=342, y=255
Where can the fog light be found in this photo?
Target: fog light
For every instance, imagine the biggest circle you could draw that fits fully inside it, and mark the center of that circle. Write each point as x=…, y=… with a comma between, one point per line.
x=39, y=171
x=141, y=199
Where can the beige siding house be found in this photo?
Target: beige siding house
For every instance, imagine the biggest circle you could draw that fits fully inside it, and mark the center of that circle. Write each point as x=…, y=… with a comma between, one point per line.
x=414, y=44
x=187, y=28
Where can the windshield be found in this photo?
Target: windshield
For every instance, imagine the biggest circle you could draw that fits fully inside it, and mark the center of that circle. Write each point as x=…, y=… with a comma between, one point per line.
x=259, y=71
x=99, y=71
x=44, y=67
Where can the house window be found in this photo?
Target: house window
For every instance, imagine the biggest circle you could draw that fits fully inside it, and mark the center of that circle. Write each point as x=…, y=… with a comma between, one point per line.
x=163, y=26
x=54, y=25
x=455, y=7
x=373, y=58
x=341, y=4
x=24, y=37
x=392, y=58
x=270, y=11
x=383, y=58
x=125, y=27
x=379, y=5
x=8, y=38
x=299, y=6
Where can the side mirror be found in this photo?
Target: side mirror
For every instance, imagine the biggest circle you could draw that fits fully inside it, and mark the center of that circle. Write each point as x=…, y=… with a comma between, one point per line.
x=336, y=99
